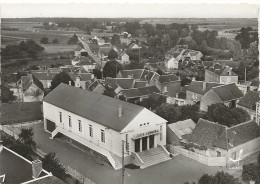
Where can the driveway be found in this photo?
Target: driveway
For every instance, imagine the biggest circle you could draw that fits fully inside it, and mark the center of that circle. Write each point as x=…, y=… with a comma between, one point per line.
x=178, y=170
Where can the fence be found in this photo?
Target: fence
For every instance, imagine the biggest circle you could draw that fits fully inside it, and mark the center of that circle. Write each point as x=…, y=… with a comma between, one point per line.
x=209, y=161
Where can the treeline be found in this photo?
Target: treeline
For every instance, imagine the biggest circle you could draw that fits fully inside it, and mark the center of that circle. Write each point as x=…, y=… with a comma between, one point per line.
x=24, y=49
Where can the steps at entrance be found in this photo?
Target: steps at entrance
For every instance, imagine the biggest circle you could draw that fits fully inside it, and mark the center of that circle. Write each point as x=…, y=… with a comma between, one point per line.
x=153, y=156
x=118, y=161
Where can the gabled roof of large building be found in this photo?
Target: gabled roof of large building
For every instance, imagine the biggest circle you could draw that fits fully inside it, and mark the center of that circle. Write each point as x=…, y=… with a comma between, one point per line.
x=228, y=92
x=197, y=87
x=140, y=84
x=98, y=108
x=168, y=78
x=28, y=80
x=250, y=99
x=181, y=128
x=211, y=134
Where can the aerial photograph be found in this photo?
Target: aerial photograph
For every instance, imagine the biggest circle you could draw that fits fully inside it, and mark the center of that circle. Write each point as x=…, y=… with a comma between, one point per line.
x=129, y=94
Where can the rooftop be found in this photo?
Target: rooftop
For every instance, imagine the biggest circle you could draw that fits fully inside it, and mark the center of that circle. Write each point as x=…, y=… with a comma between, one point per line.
x=249, y=100
x=181, y=128
x=228, y=92
x=140, y=92
x=98, y=108
x=197, y=86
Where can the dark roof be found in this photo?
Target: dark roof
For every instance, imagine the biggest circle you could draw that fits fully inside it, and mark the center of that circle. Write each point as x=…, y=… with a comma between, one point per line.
x=229, y=63
x=94, y=85
x=84, y=61
x=105, y=50
x=239, y=134
x=148, y=75
x=136, y=74
x=249, y=100
x=44, y=75
x=124, y=83
x=28, y=80
x=210, y=134
x=206, y=133
x=168, y=78
x=228, y=92
x=197, y=87
x=98, y=108
x=140, y=84
x=139, y=92
x=225, y=72
x=83, y=76
x=255, y=82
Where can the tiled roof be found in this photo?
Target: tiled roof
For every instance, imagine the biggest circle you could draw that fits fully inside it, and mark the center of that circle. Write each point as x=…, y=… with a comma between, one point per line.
x=44, y=75
x=139, y=92
x=181, y=128
x=83, y=76
x=255, y=82
x=140, y=84
x=197, y=87
x=225, y=72
x=98, y=108
x=229, y=63
x=228, y=92
x=84, y=61
x=237, y=135
x=206, y=133
x=105, y=50
x=124, y=83
x=136, y=74
x=168, y=78
x=28, y=80
x=249, y=100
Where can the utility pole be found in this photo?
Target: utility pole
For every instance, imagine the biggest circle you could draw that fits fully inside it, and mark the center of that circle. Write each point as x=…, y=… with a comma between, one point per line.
x=123, y=162
x=245, y=75
x=101, y=67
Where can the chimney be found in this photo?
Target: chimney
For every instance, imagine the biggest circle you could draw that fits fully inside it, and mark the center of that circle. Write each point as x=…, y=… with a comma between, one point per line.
x=193, y=79
x=70, y=83
x=120, y=111
x=204, y=85
x=177, y=95
x=36, y=168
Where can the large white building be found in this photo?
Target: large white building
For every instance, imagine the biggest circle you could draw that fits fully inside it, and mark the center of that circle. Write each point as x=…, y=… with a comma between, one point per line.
x=101, y=123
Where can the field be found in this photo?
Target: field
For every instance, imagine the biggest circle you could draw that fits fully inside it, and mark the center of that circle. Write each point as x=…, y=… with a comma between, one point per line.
x=21, y=25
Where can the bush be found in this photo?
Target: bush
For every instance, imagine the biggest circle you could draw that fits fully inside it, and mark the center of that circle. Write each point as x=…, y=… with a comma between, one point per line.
x=44, y=40
x=251, y=172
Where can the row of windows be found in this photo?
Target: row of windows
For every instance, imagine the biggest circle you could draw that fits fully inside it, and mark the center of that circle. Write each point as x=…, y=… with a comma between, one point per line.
x=80, y=128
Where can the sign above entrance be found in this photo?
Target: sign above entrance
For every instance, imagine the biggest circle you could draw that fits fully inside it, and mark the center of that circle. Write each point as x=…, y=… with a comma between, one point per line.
x=146, y=134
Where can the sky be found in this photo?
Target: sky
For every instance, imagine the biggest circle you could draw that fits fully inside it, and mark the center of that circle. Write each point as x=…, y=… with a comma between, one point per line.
x=133, y=10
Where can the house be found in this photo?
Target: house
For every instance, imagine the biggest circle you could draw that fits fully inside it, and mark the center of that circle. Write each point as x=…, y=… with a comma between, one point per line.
x=78, y=51
x=248, y=103
x=138, y=74
x=118, y=84
x=228, y=94
x=104, y=50
x=97, y=87
x=134, y=47
x=82, y=80
x=17, y=169
x=217, y=140
x=45, y=77
x=123, y=58
x=179, y=132
x=103, y=124
x=197, y=89
x=171, y=63
x=223, y=76
x=192, y=55
x=167, y=84
x=31, y=89
x=179, y=99
x=137, y=94
x=84, y=62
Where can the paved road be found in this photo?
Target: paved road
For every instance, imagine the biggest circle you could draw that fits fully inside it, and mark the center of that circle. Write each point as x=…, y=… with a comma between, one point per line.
x=91, y=54
x=176, y=171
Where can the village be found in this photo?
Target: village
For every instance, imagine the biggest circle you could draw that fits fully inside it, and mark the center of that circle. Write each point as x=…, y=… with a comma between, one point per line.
x=172, y=106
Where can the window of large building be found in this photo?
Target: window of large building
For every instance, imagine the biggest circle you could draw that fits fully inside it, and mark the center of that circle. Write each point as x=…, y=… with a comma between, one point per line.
x=161, y=133
x=70, y=125
x=102, y=136
x=90, y=131
x=127, y=144
x=80, y=126
x=60, y=117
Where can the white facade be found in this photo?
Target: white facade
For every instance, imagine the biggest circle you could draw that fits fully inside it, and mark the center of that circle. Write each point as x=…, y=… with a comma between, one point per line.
x=172, y=63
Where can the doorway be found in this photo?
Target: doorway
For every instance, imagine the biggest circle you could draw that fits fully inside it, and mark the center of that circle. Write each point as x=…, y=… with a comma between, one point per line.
x=151, y=141
x=137, y=145
x=144, y=143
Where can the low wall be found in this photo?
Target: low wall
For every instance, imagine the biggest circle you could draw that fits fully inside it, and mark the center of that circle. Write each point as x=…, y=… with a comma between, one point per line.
x=209, y=161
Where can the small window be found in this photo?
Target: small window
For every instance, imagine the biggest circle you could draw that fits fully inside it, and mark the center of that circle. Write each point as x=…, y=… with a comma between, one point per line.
x=80, y=126
x=161, y=133
x=140, y=124
x=103, y=136
x=70, y=125
x=60, y=117
x=90, y=131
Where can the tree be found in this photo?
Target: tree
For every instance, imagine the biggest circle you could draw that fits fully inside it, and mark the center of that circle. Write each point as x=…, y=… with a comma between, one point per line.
x=169, y=112
x=115, y=40
x=185, y=112
x=61, y=77
x=44, y=40
x=111, y=68
x=97, y=73
x=226, y=116
x=151, y=103
x=26, y=137
x=251, y=172
x=73, y=40
x=6, y=94
x=55, y=41
x=218, y=178
x=160, y=71
x=52, y=164
x=112, y=54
